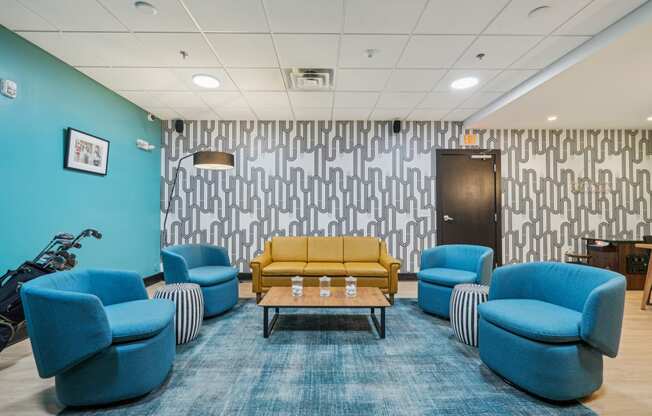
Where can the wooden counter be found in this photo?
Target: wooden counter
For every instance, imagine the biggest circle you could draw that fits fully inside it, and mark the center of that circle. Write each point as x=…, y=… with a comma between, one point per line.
x=648, y=279
x=622, y=256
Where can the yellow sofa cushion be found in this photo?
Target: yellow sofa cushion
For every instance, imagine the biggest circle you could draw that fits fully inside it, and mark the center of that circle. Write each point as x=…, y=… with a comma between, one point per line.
x=325, y=249
x=290, y=249
x=365, y=269
x=284, y=268
x=366, y=249
x=324, y=269
x=271, y=281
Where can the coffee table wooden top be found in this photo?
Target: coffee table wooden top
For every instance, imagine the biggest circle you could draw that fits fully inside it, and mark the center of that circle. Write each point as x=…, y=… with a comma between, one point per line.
x=367, y=297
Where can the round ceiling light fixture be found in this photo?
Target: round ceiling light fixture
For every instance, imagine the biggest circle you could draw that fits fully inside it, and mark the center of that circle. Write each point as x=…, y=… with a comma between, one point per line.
x=649, y=118
x=464, y=83
x=205, y=81
x=552, y=118
x=539, y=11
x=145, y=8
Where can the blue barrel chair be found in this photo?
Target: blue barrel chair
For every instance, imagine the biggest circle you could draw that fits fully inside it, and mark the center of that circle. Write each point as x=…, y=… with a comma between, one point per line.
x=443, y=267
x=547, y=325
x=99, y=335
x=209, y=267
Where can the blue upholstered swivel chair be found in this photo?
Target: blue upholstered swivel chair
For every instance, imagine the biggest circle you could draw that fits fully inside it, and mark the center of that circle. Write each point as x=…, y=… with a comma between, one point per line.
x=547, y=325
x=445, y=266
x=210, y=268
x=99, y=335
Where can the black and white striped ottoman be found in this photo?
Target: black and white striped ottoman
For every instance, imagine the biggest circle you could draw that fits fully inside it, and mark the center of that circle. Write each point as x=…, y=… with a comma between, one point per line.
x=464, y=311
x=190, y=308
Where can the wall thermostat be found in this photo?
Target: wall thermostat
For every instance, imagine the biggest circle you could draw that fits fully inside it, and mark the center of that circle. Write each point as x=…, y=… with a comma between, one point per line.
x=9, y=88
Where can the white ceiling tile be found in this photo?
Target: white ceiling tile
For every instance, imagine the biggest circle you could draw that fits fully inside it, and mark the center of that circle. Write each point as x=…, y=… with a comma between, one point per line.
x=301, y=16
x=414, y=79
x=139, y=79
x=312, y=113
x=389, y=113
x=274, y=113
x=229, y=15
x=458, y=17
x=444, y=100
x=389, y=48
x=400, y=99
x=179, y=99
x=434, y=51
x=500, y=51
x=483, y=75
x=66, y=48
x=75, y=15
x=235, y=114
x=164, y=49
x=508, y=79
x=481, y=99
x=268, y=79
x=185, y=78
x=459, y=114
x=268, y=100
x=199, y=113
x=355, y=99
x=514, y=20
x=163, y=113
x=427, y=114
x=311, y=99
x=219, y=100
x=548, y=51
x=143, y=99
x=382, y=16
x=362, y=79
x=244, y=50
x=597, y=16
x=310, y=51
x=351, y=113
x=114, y=49
x=15, y=16
x=170, y=16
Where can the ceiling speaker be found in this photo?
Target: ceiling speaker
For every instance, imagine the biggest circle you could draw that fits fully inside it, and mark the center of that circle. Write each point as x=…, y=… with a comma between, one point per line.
x=178, y=126
x=396, y=126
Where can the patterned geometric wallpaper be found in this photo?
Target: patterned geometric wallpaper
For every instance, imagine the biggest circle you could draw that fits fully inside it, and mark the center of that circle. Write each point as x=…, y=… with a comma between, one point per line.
x=359, y=178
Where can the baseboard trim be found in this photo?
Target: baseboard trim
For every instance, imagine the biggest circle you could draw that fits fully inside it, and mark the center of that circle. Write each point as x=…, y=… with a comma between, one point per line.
x=244, y=277
x=407, y=277
x=153, y=279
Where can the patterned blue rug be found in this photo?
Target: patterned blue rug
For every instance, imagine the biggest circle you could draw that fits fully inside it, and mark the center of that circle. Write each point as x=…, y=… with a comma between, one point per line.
x=331, y=364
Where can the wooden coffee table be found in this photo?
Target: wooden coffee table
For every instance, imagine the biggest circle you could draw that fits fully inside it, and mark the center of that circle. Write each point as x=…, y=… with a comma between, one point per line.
x=281, y=297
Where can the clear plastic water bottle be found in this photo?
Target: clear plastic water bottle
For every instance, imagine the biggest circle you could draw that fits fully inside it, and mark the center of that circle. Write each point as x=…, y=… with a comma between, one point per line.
x=324, y=286
x=297, y=286
x=351, y=288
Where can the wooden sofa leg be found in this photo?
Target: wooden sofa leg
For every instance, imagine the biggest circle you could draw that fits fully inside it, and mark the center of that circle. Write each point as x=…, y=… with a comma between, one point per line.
x=259, y=296
x=391, y=298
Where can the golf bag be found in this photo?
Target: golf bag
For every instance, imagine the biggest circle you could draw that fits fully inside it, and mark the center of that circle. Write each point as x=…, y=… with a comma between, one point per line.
x=54, y=257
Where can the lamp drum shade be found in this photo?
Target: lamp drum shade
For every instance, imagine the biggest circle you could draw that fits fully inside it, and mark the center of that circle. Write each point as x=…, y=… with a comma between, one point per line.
x=210, y=159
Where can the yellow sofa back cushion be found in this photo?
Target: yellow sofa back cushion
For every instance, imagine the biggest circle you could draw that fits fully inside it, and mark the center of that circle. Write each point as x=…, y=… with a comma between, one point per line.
x=290, y=249
x=325, y=249
x=361, y=249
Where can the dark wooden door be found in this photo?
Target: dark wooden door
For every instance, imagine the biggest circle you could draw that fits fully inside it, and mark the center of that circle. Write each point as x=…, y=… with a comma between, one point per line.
x=468, y=198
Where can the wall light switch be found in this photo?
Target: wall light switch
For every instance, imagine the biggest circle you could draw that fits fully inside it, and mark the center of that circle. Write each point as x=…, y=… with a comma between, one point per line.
x=8, y=88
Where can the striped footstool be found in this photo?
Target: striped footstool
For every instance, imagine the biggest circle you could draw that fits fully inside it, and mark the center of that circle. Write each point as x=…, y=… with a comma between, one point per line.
x=464, y=311
x=190, y=308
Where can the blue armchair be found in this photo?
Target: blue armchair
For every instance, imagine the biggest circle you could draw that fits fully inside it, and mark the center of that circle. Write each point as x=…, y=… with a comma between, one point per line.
x=99, y=335
x=209, y=267
x=547, y=325
x=445, y=266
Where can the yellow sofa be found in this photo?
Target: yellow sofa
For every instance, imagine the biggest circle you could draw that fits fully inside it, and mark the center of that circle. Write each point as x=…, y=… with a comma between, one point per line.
x=312, y=257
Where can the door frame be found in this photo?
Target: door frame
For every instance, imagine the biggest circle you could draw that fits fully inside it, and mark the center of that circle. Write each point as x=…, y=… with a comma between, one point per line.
x=498, y=255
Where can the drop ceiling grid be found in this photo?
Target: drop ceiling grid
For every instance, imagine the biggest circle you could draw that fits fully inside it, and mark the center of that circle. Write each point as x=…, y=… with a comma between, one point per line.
x=188, y=5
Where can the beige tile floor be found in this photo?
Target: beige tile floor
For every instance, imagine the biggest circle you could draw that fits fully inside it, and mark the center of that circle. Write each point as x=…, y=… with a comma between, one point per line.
x=626, y=390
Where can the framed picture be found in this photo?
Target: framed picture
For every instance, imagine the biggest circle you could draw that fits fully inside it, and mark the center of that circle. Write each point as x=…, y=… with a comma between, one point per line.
x=86, y=153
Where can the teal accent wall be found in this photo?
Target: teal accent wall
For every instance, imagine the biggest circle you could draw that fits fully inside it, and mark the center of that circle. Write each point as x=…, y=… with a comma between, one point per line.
x=39, y=198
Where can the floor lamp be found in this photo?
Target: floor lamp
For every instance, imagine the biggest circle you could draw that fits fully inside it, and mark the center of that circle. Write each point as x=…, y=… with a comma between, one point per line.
x=204, y=159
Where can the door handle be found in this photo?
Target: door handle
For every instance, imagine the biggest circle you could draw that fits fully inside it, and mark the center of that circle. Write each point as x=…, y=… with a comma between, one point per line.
x=447, y=218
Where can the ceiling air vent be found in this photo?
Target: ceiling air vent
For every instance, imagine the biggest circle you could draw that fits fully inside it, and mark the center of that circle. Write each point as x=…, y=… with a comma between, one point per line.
x=309, y=79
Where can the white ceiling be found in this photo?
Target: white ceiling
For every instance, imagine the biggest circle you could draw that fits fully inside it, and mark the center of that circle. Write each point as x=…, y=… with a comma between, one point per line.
x=423, y=45
x=610, y=89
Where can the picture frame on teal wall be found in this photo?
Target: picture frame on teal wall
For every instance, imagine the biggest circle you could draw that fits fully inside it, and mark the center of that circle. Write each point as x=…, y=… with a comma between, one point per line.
x=86, y=152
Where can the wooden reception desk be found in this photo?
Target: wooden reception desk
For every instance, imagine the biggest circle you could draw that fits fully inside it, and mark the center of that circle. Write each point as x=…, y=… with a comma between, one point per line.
x=622, y=256
x=648, y=279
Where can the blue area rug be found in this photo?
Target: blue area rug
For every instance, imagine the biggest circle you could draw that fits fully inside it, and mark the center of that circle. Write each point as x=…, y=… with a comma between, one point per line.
x=319, y=362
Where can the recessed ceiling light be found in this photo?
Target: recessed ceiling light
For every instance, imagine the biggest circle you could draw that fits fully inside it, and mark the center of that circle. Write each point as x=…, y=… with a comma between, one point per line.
x=552, y=118
x=145, y=8
x=205, y=81
x=464, y=83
